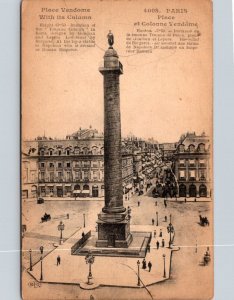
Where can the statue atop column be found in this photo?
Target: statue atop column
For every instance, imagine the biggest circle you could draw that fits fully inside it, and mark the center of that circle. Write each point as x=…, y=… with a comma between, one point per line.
x=110, y=38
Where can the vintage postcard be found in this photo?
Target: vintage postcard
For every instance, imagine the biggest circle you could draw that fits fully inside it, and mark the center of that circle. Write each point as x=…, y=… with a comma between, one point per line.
x=116, y=156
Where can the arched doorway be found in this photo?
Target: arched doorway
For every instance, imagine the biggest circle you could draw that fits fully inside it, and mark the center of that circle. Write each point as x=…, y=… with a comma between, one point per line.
x=85, y=192
x=182, y=190
x=95, y=191
x=192, y=190
x=203, y=190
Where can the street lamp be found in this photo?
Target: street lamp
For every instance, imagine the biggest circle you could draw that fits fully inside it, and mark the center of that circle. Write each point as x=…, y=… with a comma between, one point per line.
x=41, y=278
x=30, y=260
x=41, y=249
x=138, y=273
x=170, y=229
x=84, y=219
x=156, y=218
x=164, y=263
x=61, y=228
x=89, y=258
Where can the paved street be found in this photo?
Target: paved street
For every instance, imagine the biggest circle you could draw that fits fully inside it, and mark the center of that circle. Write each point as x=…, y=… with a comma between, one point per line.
x=187, y=270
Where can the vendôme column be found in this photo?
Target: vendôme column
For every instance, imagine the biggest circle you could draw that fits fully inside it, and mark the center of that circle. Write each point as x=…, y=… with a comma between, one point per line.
x=113, y=222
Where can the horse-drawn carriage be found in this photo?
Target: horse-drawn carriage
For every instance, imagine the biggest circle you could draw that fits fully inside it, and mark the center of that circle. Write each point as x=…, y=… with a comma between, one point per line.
x=206, y=258
x=46, y=218
x=204, y=221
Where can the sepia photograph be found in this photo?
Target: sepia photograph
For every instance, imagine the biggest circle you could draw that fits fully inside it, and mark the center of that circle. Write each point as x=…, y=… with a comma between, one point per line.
x=117, y=150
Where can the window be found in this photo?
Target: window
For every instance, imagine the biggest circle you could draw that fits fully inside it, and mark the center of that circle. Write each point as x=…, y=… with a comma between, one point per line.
x=192, y=162
x=60, y=175
x=201, y=148
x=191, y=148
x=77, y=150
x=68, y=165
x=42, y=165
x=86, y=174
x=181, y=148
x=59, y=152
x=202, y=174
x=95, y=164
x=68, y=175
x=78, y=175
x=86, y=164
x=68, y=152
x=43, y=189
x=51, y=165
x=51, y=176
x=202, y=162
x=51, y=189
x=59, y=165
x=192, y=173
x=42, y=152
x=51, y=152
x=95, y=175
x=182, y=162
x=42, y=175
x=182, y=174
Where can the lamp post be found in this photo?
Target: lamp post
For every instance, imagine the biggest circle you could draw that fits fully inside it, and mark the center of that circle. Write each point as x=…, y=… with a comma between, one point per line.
x=170, y=229
x=164, y=264
x=41, y=278
x=84, y=219
x=61, y=228
x=41, y=249
x=30, y=260
x=138, y=273
x=156, y=218
x=89, y=258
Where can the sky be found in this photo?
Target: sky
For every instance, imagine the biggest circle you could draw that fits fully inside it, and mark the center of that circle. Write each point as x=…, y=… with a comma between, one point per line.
x=162, y=95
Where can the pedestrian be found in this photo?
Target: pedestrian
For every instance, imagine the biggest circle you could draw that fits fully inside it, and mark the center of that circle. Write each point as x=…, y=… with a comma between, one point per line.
x=160, y=233
x=67, y=216
x=165, y=218
x=83, y=235
x=144, y=264
x=185, y=200
x=148, y=248
x=58, y=260
x=176, y=198
x=157, y=244
x=152, y=221
x=163, y=243
x=154, y=233
x=138, y=203
x=195, y=199
x=165, y=203
x=156, y=203
x=149, y=266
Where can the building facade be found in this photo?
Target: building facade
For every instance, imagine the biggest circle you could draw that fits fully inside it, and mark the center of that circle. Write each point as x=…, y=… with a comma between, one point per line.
x=72, y=167
x=192, y=166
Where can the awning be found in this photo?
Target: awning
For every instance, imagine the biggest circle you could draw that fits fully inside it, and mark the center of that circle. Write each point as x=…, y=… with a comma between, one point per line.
x=50, y=185
x=76, y=191
x=59, y=185
x=85, y=192
x=41, y=185
x=67, y=184
x=134, y=178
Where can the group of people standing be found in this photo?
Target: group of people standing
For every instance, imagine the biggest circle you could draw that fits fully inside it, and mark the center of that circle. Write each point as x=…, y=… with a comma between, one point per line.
x=144, y=265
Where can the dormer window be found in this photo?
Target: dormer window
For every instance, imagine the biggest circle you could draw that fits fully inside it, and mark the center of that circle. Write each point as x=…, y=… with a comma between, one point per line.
x=68, y=152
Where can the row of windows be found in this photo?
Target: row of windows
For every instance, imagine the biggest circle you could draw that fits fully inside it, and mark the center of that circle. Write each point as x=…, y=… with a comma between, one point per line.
x=69, y=175
x=94, y=164
x=69, y=151
x=192, y=148
x=192, y=174
x=192, y=162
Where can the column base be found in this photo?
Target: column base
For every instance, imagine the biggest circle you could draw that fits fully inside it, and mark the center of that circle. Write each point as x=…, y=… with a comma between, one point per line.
x=113, y=231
